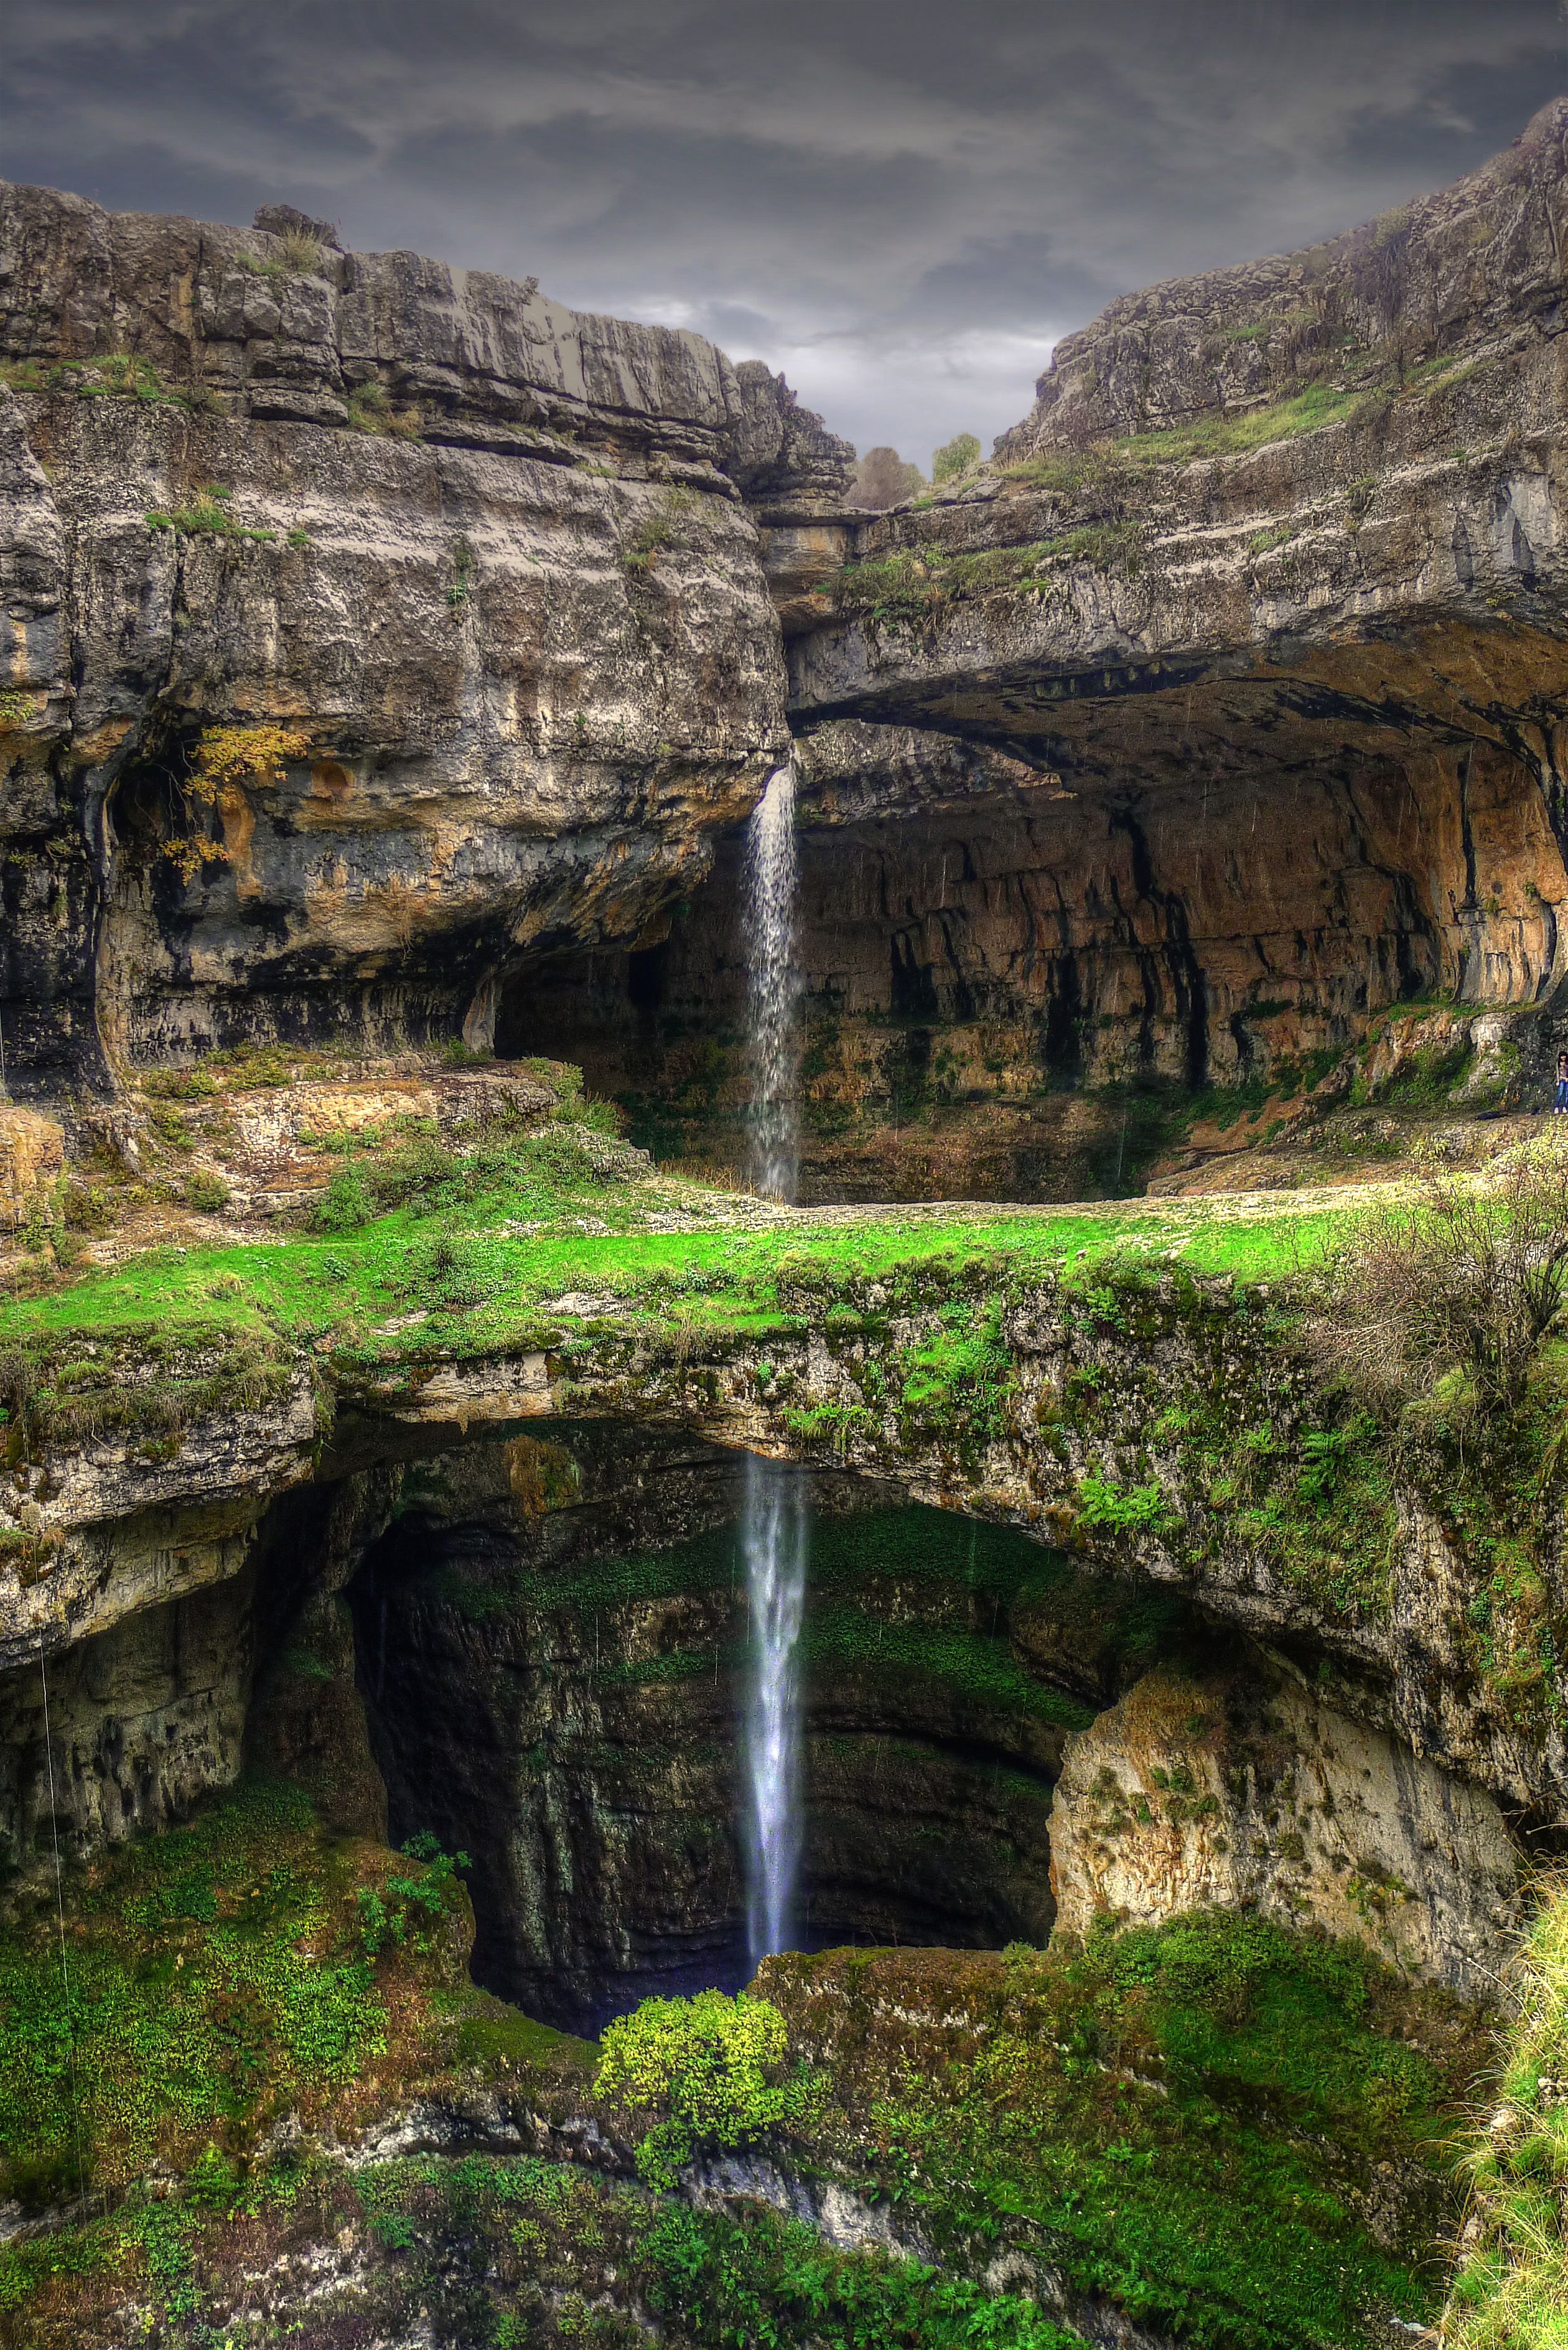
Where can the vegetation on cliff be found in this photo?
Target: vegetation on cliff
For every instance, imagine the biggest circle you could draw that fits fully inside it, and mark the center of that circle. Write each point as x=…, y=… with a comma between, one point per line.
x=1512, y=2289
x=1188, y=1414
x=1238, y=2134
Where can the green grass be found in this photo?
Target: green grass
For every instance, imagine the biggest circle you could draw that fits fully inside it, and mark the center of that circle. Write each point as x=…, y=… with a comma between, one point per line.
x=1512, y=2289
x=310, y=1287
x=1232, y=433
x=1222, y=433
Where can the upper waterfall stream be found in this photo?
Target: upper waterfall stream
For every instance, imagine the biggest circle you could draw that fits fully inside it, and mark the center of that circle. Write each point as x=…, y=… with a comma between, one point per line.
x=774, y=989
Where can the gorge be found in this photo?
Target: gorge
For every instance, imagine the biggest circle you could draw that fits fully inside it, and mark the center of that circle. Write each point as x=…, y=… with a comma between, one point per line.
x=673, y=1161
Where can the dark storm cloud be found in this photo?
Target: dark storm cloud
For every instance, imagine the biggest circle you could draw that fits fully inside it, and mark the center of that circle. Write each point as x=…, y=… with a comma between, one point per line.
x=901, y=201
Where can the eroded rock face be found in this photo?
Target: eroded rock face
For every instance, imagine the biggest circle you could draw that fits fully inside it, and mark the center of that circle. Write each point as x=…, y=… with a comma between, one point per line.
x=1478, y=261
x=1089, y=1405
x=516, y=620
x=1244, y=1791
x=990, y=949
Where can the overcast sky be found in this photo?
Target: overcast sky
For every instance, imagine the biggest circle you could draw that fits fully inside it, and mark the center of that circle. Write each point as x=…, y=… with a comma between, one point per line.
x=900, y=202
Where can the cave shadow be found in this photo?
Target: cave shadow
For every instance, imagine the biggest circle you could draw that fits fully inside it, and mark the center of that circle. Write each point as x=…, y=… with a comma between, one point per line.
x=561, y=1698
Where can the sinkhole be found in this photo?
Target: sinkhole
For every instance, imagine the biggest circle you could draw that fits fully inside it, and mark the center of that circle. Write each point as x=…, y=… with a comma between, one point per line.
x=556, y=1646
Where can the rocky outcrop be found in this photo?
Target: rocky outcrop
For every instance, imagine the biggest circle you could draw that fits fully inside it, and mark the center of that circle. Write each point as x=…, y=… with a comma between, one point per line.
x=1096, y=1401
x=1155, y=1426
x=32, y=1154
x=483, y=563
x=1478, y=265
x=1245, y=1792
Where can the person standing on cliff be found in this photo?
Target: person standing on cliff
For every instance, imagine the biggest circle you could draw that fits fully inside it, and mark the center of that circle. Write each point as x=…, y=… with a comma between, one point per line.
x=1560, y=1106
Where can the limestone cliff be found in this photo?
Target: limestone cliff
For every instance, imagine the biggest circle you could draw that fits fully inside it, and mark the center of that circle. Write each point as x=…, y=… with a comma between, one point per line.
x=484, y=561
x=1265, y=605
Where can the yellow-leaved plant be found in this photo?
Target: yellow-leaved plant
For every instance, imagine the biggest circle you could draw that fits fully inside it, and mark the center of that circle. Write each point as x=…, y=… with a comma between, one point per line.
x=716, y=2069
x=227, y=759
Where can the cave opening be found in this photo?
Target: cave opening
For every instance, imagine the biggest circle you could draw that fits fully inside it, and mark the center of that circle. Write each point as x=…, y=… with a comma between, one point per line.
x=551, y=1646
x=986, y=984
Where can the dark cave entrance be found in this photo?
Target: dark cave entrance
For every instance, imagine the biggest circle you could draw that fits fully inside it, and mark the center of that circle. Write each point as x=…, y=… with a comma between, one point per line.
x=558, y=1693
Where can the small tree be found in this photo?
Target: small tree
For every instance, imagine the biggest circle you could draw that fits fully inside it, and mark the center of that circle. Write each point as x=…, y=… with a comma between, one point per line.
x=1470, y=1277
x=882, y=479
x=955, y=458
x=228, y=758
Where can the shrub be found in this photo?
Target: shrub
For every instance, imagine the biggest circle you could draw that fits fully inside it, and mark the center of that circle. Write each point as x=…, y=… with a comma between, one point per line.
x=561, y=1159
x=88, y=1208
x=346, y=1204
x=205, y=1190
x=299, y=252
x=1470, y=1278
x=228, y=757
x=714, y=2066
x=409, y=1909
x=1130, y=1509
x=370, y=410
x=882, y=479
x=456, y=1271
x=205, y=516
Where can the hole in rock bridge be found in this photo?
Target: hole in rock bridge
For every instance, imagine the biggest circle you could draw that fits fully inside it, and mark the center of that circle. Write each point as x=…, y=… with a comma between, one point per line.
x=552, y=1646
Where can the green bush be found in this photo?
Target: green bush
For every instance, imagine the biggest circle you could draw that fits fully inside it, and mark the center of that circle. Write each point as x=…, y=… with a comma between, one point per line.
x=206, y=1192
x=347, y=1203
x=715, y=2065
x=409, y=1908
x=1131, y=1509
x=457, y=1271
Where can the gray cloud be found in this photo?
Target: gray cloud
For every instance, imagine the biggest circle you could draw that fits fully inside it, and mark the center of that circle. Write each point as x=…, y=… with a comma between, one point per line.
x=901, y=203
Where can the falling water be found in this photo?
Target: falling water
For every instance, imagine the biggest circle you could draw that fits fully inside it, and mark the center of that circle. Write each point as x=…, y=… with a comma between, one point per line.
x=774, y=1534
x=775, y=1531
x=774, y=988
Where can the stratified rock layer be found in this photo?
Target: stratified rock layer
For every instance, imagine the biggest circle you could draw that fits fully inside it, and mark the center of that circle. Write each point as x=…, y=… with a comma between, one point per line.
x=1244, y=1792
x=1234, y=688
x=484, y=559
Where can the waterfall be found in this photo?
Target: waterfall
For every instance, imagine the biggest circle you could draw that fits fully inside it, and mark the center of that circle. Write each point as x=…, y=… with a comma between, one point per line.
x=774, y=1537
x=775, y=1531
x=774, y=989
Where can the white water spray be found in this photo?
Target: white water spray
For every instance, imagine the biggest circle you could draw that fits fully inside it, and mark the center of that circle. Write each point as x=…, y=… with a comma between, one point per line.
x=774, y=989
x=775, y=1531
x=774, y=1534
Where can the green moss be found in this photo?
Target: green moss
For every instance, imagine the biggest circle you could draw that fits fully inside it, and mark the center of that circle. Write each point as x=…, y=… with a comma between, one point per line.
x=977, y=1666
x=864, y=1571
x=1186, y=2119
x=214, y=1974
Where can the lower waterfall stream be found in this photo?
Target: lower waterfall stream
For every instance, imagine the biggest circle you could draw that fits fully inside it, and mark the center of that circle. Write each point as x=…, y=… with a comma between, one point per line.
x=775, y=1531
